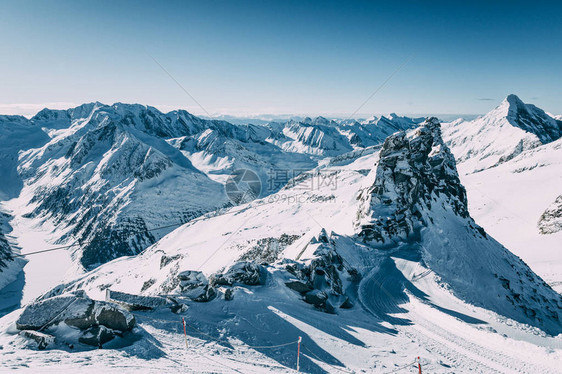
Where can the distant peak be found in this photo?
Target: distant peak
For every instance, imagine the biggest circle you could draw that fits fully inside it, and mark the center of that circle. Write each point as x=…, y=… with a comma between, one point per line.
x=527, y=117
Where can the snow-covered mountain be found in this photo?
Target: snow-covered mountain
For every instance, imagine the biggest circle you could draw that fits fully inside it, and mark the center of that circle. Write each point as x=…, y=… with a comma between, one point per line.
x=510, y=162
x=107, y=172
x=417, y=199
x=100, y=174
x=368, y=269
x=500, y=135
x=370, y=253
x=16, y=134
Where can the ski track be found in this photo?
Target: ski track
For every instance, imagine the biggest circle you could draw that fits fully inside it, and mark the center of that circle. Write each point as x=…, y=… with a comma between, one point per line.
x=462, y=353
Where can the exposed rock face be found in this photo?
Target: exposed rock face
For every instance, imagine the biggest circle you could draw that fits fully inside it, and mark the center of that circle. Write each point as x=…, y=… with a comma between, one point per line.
x=412, y=173
x=98, y=322
x=267, y=249
x=551, y=220
x=5, y=251
x=508, y=130
x=10, y=265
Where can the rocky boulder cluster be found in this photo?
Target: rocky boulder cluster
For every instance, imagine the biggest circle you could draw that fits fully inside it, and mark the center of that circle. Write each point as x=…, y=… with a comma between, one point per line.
x=197, y=287
x=73, y=318
x=321, y=280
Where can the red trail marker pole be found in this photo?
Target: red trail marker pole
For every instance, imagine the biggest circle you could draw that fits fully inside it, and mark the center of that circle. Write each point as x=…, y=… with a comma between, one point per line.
x=299, y=354
x=184, y=331
x=419, y=366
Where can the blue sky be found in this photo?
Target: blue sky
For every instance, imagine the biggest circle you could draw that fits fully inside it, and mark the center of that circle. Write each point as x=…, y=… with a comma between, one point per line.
x=286, y=57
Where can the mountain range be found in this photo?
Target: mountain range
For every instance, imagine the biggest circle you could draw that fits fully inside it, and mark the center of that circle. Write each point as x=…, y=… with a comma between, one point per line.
x=385, y=238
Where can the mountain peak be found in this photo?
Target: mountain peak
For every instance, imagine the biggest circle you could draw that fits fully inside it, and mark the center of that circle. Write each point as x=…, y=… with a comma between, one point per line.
x=527, y=117
x=513, y=99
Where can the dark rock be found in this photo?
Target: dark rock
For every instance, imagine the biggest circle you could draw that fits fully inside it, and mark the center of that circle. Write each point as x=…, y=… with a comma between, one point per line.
x=165, y=260
x=134, y=302
x=178, y=308
x=207, y=293
x=228, y=294
x=97, y=336
x=248, y=273
x=347, y=304
x=316, y=297
x=328, y=308
x=195, y=285
x=146, y=285
x=268, y=249
x=192, y=279
x=298, y=286
x=115, y=319
x=42, y=340
x=78, y=312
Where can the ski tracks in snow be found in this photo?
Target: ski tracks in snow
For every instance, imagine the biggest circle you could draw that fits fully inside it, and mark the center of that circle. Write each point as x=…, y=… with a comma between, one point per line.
x=453, y=345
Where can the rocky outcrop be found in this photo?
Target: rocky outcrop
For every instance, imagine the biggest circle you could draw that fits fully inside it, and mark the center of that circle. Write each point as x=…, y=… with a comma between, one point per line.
x=10, y=264
x=533, y=120
x=245, y=272
x=550, y=221
x=267, y=250
x=195, y=285
x=320, y=280
x=414, y=172
x=95, y=322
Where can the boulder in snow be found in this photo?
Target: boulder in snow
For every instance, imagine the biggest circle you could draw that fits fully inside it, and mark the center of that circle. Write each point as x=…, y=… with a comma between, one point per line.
x=195, y=285
x=134, y=302
x=42, y=340
x=79, y=312
x=298, y=286
x=316, y=297
x=96, y=336
x=245, y=272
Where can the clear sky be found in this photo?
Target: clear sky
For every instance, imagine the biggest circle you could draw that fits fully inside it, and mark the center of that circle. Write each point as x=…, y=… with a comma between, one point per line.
x=290, y=57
